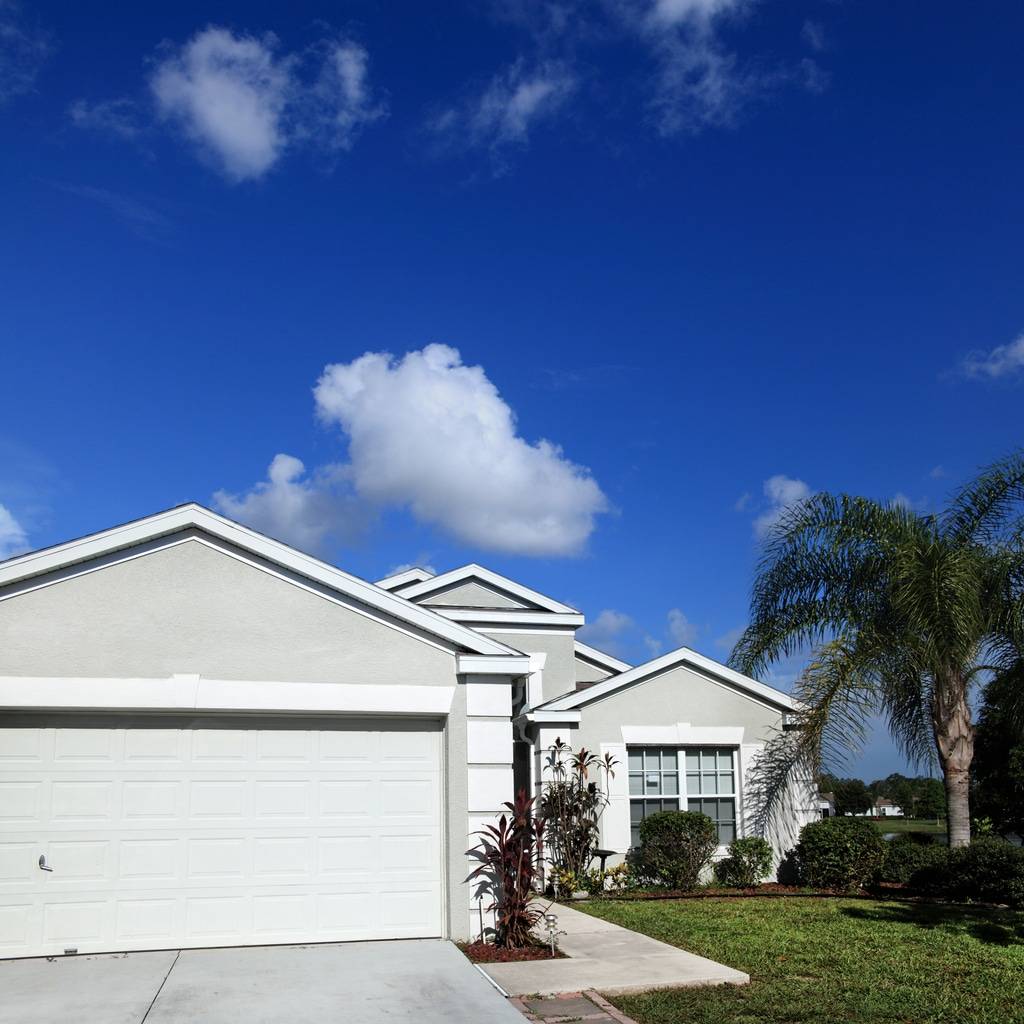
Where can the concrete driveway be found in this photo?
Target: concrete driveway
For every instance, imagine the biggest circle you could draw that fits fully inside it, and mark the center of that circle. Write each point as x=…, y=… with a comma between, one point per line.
x=424, y=981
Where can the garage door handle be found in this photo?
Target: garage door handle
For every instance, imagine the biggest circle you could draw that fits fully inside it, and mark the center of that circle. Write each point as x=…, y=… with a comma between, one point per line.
x=42, y=863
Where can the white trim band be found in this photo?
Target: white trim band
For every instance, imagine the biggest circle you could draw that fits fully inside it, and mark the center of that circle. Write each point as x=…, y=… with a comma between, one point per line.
x=193, y=693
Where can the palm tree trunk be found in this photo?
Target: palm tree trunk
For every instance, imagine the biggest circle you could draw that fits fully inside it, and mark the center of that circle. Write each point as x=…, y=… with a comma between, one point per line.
x=954, y=739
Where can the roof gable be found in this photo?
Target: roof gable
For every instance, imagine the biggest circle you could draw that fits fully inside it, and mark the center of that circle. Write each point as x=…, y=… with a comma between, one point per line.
x=21, y=573
x=525, y=597
x=401, y=579
x=682, y=656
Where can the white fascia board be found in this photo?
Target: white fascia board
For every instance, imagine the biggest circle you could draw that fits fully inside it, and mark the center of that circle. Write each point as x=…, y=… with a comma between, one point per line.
x=505, y=665
x=681, y=656
x=600, y=658
x=194, y=516
x=510, y=616
x=401, y=579
x=194, y=693
x=683, y=735
x=474, y=571
x=543, y=717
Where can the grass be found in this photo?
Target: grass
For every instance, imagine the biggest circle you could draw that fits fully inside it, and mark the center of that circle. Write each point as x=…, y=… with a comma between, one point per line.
x=835, y=960
x=930, y=825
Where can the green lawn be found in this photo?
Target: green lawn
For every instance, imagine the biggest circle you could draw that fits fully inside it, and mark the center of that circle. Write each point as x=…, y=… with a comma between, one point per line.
x=930, y=825
x=826, y=960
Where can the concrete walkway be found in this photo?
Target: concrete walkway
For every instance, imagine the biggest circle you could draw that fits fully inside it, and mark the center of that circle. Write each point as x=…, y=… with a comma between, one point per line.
x=407, y=982
x=606, y=958
x=584, y=1007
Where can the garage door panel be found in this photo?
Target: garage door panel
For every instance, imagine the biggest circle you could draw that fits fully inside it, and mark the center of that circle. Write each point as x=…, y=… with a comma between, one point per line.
x=162, y=837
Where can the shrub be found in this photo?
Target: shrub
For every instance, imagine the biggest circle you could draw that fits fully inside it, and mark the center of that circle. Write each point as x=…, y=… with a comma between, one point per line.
x=509, y=855
x=907, y=854
x=990, y=870
x=839, y=853
x=675, y=847
x=749, y=860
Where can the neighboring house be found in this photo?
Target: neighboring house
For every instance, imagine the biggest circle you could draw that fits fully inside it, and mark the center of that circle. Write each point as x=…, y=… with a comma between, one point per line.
x=882, y=808
x=209, y=738
x=826, y=805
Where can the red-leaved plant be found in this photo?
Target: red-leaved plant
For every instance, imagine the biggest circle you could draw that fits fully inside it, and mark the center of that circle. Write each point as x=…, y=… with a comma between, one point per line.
x=509, y=855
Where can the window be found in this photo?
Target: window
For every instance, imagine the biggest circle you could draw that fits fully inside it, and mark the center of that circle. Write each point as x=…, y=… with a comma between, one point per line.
x=710, y=785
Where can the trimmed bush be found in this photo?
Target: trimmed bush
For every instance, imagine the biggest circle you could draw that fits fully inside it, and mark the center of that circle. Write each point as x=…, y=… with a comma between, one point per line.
x=749, y=860
x=675, y=847
x=990, y=870
x=905, y=855
x=839, y=853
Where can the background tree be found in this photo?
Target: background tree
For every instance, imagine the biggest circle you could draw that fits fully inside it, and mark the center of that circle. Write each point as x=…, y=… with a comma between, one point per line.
x=852, y=796
x=998, y=789
x=904, y=612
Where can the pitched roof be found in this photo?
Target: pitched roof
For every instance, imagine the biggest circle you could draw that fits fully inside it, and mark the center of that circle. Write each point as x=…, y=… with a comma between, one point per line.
x=682, y=656
x=600, y=658
x=400, y=579
x=472, y=571
x=22, y=568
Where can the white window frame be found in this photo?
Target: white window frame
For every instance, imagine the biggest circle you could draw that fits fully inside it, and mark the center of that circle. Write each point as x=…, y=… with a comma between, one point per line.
x=683, y=796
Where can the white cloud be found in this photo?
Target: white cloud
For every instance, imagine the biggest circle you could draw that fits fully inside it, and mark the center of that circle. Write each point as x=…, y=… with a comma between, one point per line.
x=423, y=564
x=307, y=511
x=937, y=472
x=607, y=630
x=118, y=117
x=653, y=645
x=684, y=633
x=244, y=105
x=24, y=49
x=674, y=12
x=427, y=432
x=1003, y=361
x=512, y=104
x=781, y=492
x=13, y=539
x=728, y=640
x=742, y=501
x=813, y=34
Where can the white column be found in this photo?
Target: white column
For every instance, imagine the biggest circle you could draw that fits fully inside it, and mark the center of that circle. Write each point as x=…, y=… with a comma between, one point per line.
x=489, y=767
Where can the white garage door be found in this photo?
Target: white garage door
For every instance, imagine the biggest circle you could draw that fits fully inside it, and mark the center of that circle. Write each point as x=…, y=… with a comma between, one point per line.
x=191, y=832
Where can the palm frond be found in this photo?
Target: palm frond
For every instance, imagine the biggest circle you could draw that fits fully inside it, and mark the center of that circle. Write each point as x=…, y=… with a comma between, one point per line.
x=991, y=505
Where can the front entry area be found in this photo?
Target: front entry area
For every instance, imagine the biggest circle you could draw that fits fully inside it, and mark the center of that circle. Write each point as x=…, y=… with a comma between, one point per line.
x=155, y=832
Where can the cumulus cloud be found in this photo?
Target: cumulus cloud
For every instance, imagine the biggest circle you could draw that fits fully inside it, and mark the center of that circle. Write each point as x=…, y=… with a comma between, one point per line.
x=24, y=49
x=1002, y=362
x=432, y=434
x=684, y=633
x=781, y=492
x=308, y=511
x=13, y=539
x=508, y=109
x=243, y=104
x=813, y=34
x=423, y=564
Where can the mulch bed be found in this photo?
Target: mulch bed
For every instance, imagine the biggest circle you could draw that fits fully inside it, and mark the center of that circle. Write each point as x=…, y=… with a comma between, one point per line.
x=488, y=953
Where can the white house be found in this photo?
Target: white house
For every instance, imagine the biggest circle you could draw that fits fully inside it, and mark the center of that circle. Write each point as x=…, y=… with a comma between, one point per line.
x=210, y=738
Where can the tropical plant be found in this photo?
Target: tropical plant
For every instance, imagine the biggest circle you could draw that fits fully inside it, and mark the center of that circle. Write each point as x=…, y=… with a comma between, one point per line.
x=509, y=855
x=572, y=802
x=748, y=861
x=676, y=847
x=904, y=612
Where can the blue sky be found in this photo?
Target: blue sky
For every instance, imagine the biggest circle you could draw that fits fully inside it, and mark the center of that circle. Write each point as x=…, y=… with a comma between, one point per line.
x=680, y=262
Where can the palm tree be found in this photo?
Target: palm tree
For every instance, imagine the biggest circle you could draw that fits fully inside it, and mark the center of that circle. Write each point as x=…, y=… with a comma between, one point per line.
x=904, y=613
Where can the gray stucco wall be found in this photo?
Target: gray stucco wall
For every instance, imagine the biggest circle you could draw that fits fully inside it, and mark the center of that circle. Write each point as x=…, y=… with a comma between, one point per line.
x=193, y=609
x=587, y=672
x=678, y=695
x=473, y=595
x=559, y=668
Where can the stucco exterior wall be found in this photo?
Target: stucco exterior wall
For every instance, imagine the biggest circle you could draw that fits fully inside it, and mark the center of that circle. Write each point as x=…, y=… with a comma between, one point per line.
x=473, y=595
x=559, y=667
x=588, y=672
x=678, y=695
x=191, y=608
